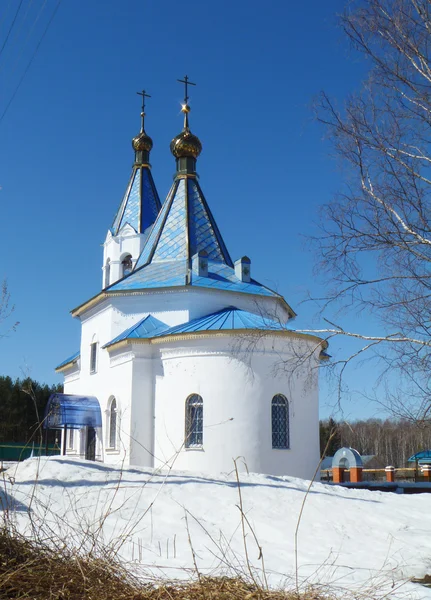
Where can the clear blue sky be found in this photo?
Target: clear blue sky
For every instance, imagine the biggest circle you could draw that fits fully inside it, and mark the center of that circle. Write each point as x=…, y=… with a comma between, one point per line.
x=66, y=153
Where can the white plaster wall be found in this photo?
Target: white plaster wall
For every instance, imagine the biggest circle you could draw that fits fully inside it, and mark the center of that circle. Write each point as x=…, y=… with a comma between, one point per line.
x=142, y=407
x=113, y=377
x=117, y=247
x=237, y=389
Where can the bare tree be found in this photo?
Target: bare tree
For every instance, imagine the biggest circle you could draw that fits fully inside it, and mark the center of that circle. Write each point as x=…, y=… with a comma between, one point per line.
x=6, y=311
x=376, y=240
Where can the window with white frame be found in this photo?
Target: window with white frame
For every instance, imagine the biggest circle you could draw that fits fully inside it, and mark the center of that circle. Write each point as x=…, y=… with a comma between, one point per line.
x=126, y=265
x=112, y=424
x=107, y=272
x=93, y=357
x=70, y=439
x=280, y=422
x=194, y=422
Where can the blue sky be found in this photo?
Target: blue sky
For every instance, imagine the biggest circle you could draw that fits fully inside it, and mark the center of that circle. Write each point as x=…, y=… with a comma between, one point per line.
x=65, y=150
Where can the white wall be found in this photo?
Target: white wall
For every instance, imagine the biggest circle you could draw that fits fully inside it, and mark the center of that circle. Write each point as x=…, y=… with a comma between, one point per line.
x=237, y=389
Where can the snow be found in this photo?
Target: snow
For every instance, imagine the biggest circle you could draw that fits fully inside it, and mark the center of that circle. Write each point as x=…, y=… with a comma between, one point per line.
x=356, y=540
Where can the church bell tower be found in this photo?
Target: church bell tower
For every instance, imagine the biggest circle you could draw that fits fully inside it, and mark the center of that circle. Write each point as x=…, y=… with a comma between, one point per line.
x=136, y=214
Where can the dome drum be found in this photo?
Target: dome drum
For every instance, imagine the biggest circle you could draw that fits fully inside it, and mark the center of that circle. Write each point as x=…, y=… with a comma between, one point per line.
x=186, y=165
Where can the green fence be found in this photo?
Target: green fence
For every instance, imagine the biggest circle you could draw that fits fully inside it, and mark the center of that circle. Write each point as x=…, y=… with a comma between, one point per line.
x=20, y=451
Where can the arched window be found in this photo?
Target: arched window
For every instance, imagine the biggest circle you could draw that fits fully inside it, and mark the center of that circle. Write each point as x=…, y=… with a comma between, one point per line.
x=93, y=354
x=112, y=424
x=280, y=421
x=194, y=433
x=126, y=264
x=107, y=272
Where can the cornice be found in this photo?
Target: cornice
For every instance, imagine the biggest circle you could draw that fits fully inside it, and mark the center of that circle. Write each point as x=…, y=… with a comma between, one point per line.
x=232, y=333
x=79, y=310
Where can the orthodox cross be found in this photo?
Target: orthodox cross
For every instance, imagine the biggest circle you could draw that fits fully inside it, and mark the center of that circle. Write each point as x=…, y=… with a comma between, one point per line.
x=186, y=84
x=144, y=95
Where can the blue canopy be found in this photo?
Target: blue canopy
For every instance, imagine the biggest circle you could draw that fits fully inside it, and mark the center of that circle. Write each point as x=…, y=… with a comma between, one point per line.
x=423, y=457
x=72, y=411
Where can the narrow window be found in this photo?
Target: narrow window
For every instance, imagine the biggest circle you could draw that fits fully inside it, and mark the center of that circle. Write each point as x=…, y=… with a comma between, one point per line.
x=70, y=444
x=107, y=272
x=194, y=421
x=280, y=421
x=93, y=357
x=126, y=264
x=113, y=424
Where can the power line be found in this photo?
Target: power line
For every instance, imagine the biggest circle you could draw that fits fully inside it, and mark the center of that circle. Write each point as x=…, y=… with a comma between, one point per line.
x=6, y=10
x=30, y=61
x=24, y=44
x=11, y=27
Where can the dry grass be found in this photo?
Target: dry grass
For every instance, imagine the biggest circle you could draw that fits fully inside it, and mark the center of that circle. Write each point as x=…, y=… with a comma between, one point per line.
x=35, y=571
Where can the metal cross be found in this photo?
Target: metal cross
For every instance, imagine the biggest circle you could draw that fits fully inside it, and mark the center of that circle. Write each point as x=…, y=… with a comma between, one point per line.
x=186, y=83
x=144, y=95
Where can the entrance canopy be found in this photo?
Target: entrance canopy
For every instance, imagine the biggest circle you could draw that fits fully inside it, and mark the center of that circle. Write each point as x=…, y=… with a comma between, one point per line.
x=72, y=411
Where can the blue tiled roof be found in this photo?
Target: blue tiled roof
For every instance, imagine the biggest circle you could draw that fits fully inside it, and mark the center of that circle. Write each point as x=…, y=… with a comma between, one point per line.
x=140, y=205
x=69, y=360
x=184, y=227
x=227, y=319
x=173, y=273
x=146, y=328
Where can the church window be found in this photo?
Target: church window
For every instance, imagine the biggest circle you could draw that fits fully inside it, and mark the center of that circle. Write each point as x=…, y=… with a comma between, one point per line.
x=194, y=421
x=280, y=422
x=126, y=265
x=112, y=425
x=71, y=436
x=107, y=272
x=93, y=357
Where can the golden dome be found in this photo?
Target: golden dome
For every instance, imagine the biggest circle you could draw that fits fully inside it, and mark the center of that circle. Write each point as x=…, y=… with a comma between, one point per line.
x=186, y=144
x=142, y=142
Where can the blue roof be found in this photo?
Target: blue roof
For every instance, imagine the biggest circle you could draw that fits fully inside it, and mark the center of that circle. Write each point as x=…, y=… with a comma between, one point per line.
x=69, y=360
x=73, y=411
x=171, y=273
x=423, y=456
x=140, y=205
x=146, y=328
x=184, y=227
x=227, y=319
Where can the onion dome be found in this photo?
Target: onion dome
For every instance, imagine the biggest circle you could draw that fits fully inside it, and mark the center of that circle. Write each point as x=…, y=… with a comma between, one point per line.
x=142, y=142
x=186, y=144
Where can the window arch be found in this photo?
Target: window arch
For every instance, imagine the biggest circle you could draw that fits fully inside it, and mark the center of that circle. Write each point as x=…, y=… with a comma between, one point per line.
x=126, y=265
x=112, y=424
x=194, y=435
x=93, y=354
x=280, y=422
x=107, y=272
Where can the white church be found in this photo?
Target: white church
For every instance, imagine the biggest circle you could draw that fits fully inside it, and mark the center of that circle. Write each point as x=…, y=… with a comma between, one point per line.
x=185, y=359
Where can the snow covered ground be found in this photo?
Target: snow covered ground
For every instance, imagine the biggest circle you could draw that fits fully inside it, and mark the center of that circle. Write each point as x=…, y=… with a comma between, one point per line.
x=368, y=542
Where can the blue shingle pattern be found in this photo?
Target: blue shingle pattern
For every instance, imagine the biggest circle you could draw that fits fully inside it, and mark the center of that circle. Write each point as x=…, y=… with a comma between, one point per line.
x=174, y=273
x=140, y=205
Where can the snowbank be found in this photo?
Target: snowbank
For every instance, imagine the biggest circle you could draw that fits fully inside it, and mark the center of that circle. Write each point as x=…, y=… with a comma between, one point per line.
x=352, y=539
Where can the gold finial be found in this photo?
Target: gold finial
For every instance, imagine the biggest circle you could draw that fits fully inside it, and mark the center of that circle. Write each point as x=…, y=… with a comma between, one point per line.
x=144, y=95
x=142, y=142
x=185, y=108
x=186, y=144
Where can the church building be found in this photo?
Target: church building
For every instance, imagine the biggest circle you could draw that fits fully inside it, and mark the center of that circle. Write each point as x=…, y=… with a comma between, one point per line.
x=188, y=360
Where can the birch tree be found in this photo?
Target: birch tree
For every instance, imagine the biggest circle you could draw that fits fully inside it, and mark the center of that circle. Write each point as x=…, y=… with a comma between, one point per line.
x=375, y=246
